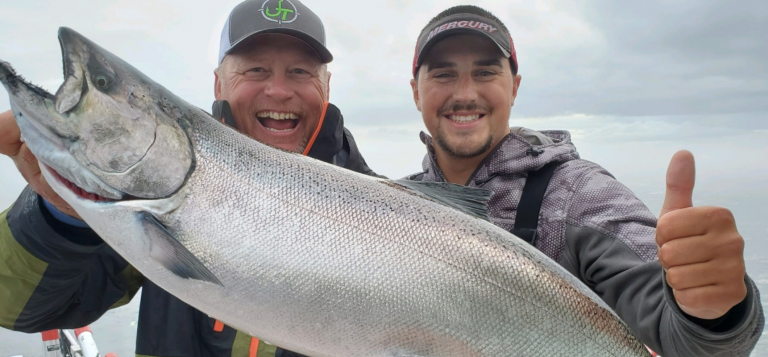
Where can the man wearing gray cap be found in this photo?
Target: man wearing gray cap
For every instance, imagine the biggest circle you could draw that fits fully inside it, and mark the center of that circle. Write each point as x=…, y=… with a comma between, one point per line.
x=272, y=84
x=679, y=282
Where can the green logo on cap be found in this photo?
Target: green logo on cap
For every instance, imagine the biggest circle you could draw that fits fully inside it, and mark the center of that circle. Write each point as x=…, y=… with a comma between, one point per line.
x=280, y=14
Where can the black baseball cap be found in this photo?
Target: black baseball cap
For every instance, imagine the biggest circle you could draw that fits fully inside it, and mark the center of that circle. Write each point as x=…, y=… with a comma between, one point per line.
x=290, y=17
x=465, y=23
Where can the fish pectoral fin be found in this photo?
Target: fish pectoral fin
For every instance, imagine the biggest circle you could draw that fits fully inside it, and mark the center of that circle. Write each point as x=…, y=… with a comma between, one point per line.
x=170, y=253
x=470, y=200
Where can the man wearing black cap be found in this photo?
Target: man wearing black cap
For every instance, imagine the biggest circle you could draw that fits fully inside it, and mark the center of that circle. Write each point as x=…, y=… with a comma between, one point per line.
x=690, y=297
x=55, y=272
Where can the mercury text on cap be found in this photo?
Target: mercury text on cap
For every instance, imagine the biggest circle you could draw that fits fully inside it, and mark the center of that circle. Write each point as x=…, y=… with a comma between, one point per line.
x=462, y=24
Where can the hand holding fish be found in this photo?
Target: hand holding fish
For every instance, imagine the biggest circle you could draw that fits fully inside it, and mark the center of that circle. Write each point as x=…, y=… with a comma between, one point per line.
x=26, y=162
x=699, y=247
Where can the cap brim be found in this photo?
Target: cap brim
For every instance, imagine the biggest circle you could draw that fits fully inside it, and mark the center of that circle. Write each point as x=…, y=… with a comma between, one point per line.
x=458, y=31
x=322, y=52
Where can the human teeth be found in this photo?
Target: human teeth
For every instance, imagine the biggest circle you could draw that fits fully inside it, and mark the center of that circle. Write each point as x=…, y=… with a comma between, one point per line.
x=464, y=118
x=278, y=130
x=277, y=116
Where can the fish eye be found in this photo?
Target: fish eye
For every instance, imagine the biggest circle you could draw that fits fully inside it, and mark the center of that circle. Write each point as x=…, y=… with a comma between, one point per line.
x=102, y=81
x=102, y=77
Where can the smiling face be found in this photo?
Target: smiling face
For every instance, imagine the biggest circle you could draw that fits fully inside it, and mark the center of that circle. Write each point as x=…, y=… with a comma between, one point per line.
x=465, y=90
x=277, y=88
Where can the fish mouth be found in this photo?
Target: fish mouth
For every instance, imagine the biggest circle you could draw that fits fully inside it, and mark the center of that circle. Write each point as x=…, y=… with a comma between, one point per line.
x=77, y=190
x=53, y=155
x=15, y=83
x=44, y=130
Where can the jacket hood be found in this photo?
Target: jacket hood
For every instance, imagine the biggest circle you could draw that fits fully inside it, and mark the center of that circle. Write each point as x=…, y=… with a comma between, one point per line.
x=520, y=151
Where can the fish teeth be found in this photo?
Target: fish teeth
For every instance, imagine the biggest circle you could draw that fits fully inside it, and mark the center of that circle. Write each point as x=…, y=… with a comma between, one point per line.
x=464, y=118
x=277, y=115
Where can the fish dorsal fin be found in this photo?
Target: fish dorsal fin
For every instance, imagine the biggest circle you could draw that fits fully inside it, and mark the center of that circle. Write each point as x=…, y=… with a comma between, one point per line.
x=170, y=253
x=470, y=200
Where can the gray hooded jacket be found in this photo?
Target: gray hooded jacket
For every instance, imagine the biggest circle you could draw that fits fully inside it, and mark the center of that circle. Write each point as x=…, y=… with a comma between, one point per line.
x=598, y=230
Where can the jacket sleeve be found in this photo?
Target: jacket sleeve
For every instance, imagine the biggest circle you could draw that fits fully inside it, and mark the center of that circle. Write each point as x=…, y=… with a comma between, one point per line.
x=610, y=245
x=53, y=275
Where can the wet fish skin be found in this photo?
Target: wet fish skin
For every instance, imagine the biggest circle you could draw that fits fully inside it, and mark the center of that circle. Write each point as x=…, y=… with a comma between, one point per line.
x=302, y=254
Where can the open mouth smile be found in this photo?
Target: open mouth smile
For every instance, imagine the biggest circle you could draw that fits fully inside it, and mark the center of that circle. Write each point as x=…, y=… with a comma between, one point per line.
x=278, y=122
x=464, y=118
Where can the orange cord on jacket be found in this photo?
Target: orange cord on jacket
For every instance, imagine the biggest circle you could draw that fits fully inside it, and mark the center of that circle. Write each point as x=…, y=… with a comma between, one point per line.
x=317, y=130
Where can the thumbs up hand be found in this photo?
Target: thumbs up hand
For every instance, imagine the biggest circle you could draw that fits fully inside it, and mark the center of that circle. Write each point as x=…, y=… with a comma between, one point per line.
x=699, y=247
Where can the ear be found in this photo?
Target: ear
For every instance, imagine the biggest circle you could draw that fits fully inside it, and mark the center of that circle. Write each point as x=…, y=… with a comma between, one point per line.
x=415, y=89
x=216, y=86
x=515, y=86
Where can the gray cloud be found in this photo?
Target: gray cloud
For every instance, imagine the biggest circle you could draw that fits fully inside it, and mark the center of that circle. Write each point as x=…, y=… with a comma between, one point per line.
x=656, y=58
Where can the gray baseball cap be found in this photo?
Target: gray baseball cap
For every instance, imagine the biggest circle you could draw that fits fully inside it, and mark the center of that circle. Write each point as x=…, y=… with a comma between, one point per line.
x=465, y=23
x=290, y=17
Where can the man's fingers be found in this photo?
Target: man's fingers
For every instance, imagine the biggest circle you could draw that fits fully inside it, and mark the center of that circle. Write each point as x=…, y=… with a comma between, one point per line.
x=681, y=223
x=684, y=251
x=41, y=186
x=711, y=301
x=29, y=167
x=681, y=175
x=63, y=206
x=695, y=221
x=29, y=157
x=684, y=277
x=26, y=161
x=10, y=135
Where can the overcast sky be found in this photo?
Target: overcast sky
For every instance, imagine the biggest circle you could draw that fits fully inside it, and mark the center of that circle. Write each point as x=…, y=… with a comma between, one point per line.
x=632, y=81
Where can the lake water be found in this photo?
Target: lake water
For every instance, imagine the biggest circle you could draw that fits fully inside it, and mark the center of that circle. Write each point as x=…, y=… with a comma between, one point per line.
x=116, y=330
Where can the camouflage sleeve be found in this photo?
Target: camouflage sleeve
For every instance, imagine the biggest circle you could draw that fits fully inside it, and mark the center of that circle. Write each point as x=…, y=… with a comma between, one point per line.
x=610, y=245
x=56, y=276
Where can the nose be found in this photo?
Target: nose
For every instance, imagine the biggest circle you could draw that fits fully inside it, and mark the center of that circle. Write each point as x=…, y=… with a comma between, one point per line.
x=465, y=90
x=278, y=88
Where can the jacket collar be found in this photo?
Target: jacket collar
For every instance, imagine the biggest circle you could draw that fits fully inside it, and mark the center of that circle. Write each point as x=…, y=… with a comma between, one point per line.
x=518, y=152
x=330, y=139
x=335, y=145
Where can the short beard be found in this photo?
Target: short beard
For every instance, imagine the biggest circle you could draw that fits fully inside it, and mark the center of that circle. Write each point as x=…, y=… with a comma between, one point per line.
x=302, y=146
x=299, y=149
x=442, y=140
x=456, y=153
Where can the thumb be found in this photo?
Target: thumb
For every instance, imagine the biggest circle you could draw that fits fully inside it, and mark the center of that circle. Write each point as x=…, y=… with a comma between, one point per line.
x=681, y=176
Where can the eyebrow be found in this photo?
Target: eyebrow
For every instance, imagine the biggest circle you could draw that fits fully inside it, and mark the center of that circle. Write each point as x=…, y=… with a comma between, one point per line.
x=488, y=62
x=480, y=63
x=441, y=64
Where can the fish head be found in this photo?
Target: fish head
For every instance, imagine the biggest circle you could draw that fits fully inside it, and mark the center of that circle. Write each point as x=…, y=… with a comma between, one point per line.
x=109, y=133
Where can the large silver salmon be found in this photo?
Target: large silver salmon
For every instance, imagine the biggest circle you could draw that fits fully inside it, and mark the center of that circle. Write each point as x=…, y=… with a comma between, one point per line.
x=299, y=253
